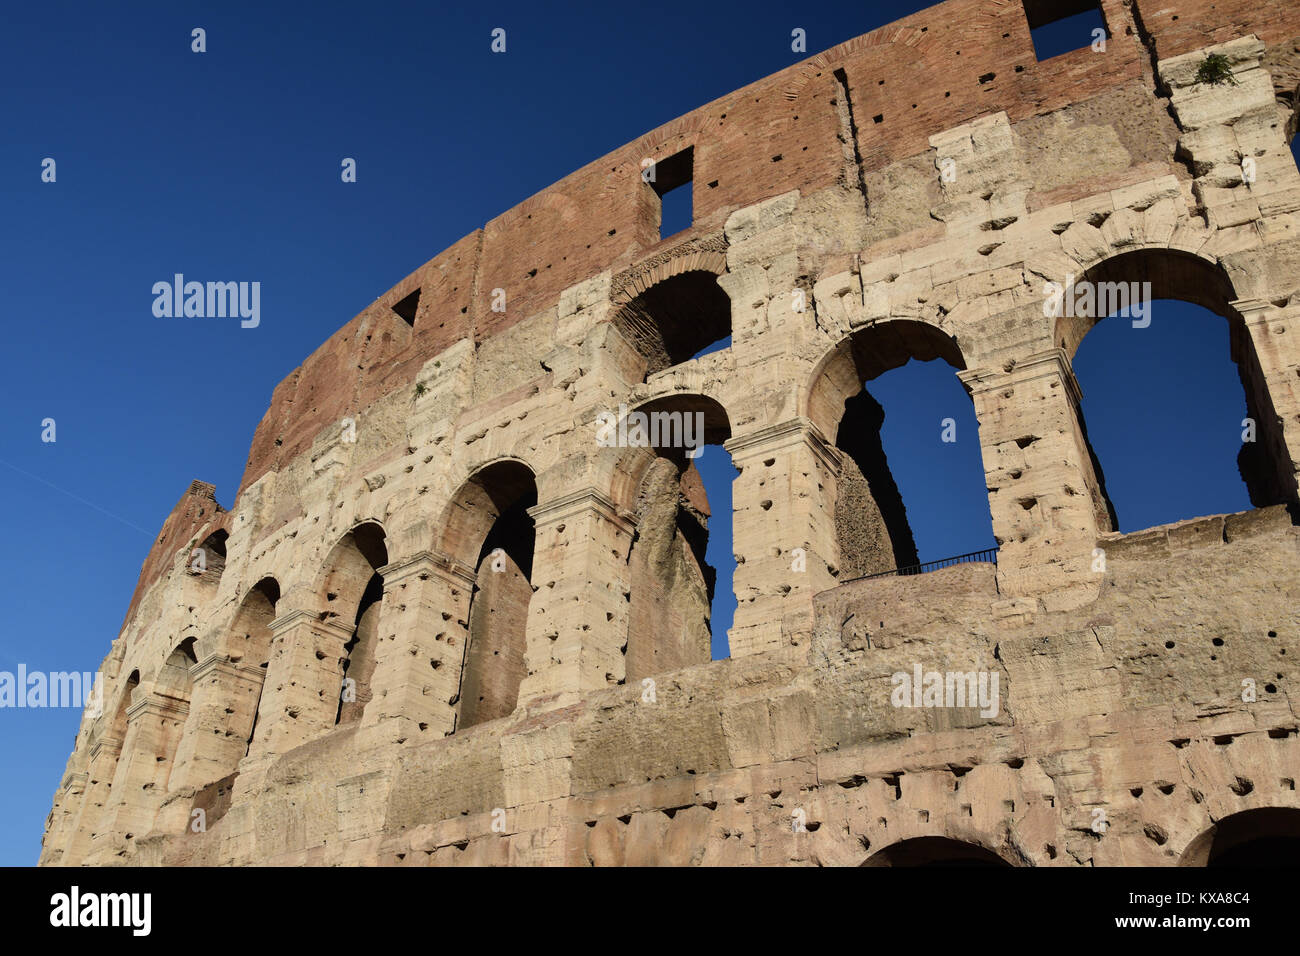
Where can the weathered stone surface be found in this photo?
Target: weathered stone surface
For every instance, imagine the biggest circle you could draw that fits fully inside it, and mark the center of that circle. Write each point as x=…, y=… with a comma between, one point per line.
x=448, y=621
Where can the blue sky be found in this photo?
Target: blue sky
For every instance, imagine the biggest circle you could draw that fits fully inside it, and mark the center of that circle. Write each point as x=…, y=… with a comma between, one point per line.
x=226, y=165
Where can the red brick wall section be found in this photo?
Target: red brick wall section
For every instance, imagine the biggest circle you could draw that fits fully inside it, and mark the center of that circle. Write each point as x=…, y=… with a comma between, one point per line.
x=1180, y=26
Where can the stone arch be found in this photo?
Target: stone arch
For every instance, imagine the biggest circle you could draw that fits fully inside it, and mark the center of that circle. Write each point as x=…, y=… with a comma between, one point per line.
x=671, y=584
x=487, y=527
x=208, y=568
x=173, y=691
x=1175, y=274
x=871, y=527
x=115, y=731
x=934, y=851
x=675, y=310
x=173, y=677
x=250, y=639
x=351, y=592
x=1263, y=837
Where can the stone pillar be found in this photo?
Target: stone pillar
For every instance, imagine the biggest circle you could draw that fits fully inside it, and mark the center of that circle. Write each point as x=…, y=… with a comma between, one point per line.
x=104, y=756
x=423, y=628
x=783, y=503
x=63, y=818
x=154, y=725
x=223, y=709
x=304, y=681
x=1046, y=500
x=1272, y=372
x=578, y=617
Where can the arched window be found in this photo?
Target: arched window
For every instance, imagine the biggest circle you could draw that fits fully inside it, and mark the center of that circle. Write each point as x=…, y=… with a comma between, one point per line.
x=251, y=637
x=116, y=730
x=353, y=592
x=208, y=560
x=675, y=319
x=489, y=527
x=682, y=540
x=911, y=486
x=175, y=685
x=1175, y=408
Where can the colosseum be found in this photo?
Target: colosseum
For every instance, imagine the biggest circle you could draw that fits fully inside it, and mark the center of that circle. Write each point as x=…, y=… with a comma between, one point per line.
x=443, y=623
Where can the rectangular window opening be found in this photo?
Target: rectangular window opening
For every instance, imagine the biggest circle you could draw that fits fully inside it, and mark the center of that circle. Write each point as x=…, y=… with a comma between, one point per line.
x=672, y=183
x=1061, y=26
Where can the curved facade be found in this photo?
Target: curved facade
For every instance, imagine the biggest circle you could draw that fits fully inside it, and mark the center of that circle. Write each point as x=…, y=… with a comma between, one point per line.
x=446, y=622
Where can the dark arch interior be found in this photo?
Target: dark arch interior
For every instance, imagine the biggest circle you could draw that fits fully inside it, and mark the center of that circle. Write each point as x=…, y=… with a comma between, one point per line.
x=1267, y=837
x=359, y=664
x=495, y=504
x=935, y=851
x=354, y=593
x=214, y=557
x=251, y=641
x=676, y=319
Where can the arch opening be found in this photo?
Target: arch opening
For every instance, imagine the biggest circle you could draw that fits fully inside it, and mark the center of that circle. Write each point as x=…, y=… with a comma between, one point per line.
x=934, y=851
x=1179, y=409
x=207, y=562
x=678, y=614
x=352, y=591
x=115, y=734
x=493, y=532
x=1264, y=837
x=676, y=319
x=251, y=639
x=174, y=677
x=906, y=429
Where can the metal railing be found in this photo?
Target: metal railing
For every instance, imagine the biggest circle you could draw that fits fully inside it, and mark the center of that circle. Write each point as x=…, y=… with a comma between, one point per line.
x=988, y=555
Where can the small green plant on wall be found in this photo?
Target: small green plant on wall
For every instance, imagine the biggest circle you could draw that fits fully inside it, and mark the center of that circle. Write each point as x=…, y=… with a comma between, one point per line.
x=420, y=389
x=1214, y=70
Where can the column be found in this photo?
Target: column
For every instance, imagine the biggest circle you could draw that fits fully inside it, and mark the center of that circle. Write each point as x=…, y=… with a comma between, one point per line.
x=1046, y=500
x=1270, y=370
x=223, y=708
x=578, y=617
x=423, y=627
x=783, y=533
x=304, y=682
